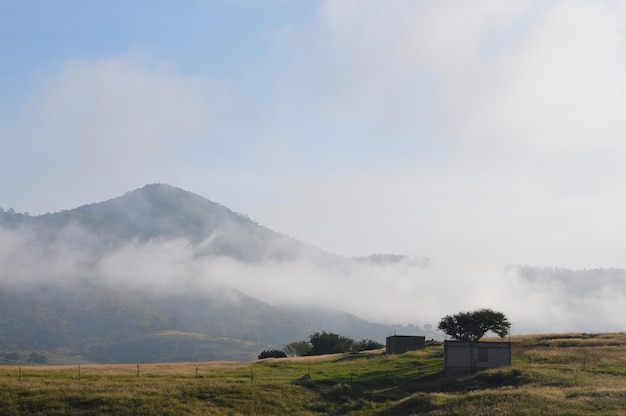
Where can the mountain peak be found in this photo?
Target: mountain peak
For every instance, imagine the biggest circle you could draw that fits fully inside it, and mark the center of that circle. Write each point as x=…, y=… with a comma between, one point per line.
x=163, y=212
x=163, y=190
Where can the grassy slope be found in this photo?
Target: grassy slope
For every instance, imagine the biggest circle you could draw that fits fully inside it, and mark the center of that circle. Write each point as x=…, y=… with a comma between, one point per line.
x=564, y=374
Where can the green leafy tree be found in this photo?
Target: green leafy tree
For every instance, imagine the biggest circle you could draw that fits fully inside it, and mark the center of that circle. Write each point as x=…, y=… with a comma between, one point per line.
x=297, y=349
x=329, y=343
x=366, y=345
x=272, y=354
x=471, y=326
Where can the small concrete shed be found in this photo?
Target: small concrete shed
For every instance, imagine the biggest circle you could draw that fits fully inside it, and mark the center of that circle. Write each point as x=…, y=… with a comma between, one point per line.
x=398, y=344
x=468, y=357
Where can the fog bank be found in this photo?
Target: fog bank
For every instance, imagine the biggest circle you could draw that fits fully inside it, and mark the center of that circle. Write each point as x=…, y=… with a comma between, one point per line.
x=394, y=290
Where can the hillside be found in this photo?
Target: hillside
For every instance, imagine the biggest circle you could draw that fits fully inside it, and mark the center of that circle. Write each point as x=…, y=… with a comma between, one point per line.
x=162, y=212
x=96, y=323
x=160, y=273
x=148, y=277
x=552, y=374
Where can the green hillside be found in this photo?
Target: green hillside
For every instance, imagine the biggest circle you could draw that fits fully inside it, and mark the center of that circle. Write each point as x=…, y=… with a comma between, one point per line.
x=89, y=322
x=158, y=211
x=558, y=374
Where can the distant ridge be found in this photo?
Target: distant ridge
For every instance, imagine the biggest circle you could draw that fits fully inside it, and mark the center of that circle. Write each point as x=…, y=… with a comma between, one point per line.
x=160, y=211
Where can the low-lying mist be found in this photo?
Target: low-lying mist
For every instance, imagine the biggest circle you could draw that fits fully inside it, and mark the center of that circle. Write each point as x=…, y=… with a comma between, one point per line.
x=391, y=290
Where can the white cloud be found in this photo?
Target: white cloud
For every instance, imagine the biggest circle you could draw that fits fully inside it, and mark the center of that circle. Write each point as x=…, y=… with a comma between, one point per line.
x=554, y=82
x=501, y=139
x=484, y=132
x=110, y=123
x=393, y=60
x=559, y=90
x=402, y=292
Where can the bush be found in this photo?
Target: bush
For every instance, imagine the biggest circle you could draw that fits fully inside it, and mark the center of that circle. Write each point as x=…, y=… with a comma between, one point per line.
x=329, y=343
x=297, y=349
x=367, y=344
x=272, y=354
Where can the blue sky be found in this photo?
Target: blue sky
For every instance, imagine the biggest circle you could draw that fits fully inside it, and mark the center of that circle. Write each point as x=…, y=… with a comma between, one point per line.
x=490, y=131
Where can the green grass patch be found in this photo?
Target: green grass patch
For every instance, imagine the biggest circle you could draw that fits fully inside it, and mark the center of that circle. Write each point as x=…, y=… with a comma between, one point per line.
x=554, y=374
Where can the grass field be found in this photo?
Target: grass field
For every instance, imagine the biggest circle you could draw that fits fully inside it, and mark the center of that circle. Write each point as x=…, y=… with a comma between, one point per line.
x=558, y=374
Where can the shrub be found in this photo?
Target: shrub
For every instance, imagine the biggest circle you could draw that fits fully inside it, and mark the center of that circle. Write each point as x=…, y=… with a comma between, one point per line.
x=297, y=348
x=367, y=344
x=272, y=354
x=329, y=343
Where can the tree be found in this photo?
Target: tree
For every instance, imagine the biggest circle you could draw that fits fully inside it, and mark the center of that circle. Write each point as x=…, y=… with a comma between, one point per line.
x=272, y=354
x=297, y=348
x=329, y=343
x=471, y=326
x=367, y=345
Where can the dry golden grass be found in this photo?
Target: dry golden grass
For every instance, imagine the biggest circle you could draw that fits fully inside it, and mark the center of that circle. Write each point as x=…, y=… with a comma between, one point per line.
x=129, y=371
x=311, y=359
x=553, y=374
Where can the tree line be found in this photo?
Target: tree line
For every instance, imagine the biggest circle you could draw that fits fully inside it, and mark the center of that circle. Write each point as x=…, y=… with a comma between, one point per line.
x=463, y=326
x=320, y=343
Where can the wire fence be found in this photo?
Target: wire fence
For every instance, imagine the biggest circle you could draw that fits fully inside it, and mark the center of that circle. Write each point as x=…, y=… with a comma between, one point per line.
x=252, y=373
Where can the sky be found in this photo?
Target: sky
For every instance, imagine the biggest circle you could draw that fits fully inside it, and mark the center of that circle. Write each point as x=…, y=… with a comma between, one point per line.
x=473, y=131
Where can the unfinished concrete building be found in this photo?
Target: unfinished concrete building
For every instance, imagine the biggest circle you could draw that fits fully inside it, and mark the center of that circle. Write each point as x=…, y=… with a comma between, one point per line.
x=397, y=344
x=468, y=357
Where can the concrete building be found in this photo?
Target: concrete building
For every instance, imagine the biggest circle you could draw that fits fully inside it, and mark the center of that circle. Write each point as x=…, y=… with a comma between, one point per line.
x=468, y=357
x=397, y=344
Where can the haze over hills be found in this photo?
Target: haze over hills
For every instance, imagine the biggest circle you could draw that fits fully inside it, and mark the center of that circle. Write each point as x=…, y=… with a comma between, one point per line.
x=147, y=277
x=162, y=274
x=163, y=212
